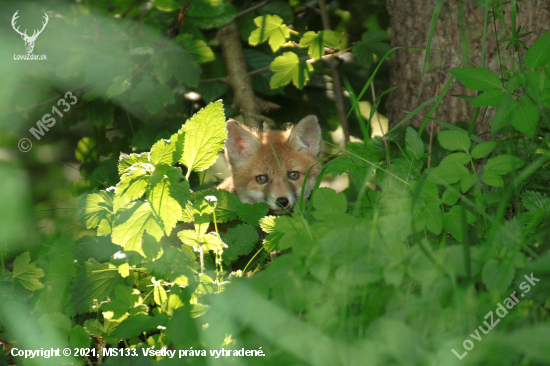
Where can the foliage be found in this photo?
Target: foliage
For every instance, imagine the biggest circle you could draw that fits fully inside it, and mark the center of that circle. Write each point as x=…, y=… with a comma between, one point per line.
x=454, y=234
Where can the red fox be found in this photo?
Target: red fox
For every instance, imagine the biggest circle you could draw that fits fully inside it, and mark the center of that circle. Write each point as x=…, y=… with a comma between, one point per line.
x=257, y=175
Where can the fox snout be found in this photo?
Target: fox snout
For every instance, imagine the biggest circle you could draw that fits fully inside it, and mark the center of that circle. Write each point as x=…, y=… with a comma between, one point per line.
x=272, y=167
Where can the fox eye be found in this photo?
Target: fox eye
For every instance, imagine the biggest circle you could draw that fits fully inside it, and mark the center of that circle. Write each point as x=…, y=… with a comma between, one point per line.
x=293, y=175
x=262, y=179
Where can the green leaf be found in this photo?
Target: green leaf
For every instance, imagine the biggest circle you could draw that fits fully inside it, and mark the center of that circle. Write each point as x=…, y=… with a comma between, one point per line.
x=79, y=337
x=287, y=68
x=127, y=160
x=316, y=41
x=327, y=202
x=56, y=322
x=135, y=325
x=452, y=221
x=240, y=240
x=435, y=219
x=25, y=273
x=252, y=213
x=269, y=27
x=92, y=284
x=503, y=164
x=167, y=63
x=477, y=79
x=515, y=81
x=494, y=98
x=497, y=275
x=151, y=247
x=165, y=151
x=454, y=140
x=526, y=116
x=205, y=135
x=125, y=299
x=207, y=242
x=503, y=114
x=451, y=195
x=538, y=55
x=370, y=44
x=483, y=149
x=97, y=209
x=150, y=96
x=414, y=144
x=468, y=182
x=493, y=180
x=132, y=185
x=198, y=48
x=131, y=225
x=174, y=264
x=451, y=169
x=167, y=194
x=227, y=205
x=165, y=5
x=209, y=14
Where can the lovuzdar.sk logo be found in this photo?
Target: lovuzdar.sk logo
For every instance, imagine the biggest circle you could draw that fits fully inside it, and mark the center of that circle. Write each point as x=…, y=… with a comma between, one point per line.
x=29, y=40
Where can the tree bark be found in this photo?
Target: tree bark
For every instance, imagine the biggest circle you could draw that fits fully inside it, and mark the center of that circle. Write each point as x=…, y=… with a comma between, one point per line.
x=410, y=24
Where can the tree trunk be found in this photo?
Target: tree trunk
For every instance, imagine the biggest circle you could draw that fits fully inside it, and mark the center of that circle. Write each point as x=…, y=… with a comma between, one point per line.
x=410, y=24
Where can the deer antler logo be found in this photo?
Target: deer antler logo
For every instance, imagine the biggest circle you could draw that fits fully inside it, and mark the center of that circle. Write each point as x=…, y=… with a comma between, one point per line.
x=29, y=41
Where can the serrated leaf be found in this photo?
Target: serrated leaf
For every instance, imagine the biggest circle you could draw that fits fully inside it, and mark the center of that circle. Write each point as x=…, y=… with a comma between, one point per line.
x=414, y=144
x=208, y=14
x=205, y=135
x=252, y=213
x=25, y=273
x=497, y=275
x=132, y=185
x=316, y=42
x=124, y=300
x=454, y=140
x=538, y=55
x=79, y=337
x=57, y=322
x=526, y=116
x=167, y=193
x=477, y=79
x=450, y=171
x=503, y=164
x=451, y=195
x=207, y=242
x=199, y=48
x=97, y=209
x=534, y=201
x=240, y=240
x=127, y=160
x=270, y=27
x=327, y=202
x=483, y=149
x=493, y=98
x=131, y=225
x=227, y=204
x=94, y=282
x=287, y=68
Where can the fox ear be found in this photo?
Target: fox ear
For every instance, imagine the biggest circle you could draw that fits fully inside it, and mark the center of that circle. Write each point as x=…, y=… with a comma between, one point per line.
x=306, y=136
x=241, y=143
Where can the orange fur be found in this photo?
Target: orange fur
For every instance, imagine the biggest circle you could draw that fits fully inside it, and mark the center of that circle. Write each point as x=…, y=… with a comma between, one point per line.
x=274, y=155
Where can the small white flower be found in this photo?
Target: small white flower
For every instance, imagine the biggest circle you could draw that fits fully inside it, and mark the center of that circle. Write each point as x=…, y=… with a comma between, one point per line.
x=211, y=198
x=113, y=188
x=119, y=255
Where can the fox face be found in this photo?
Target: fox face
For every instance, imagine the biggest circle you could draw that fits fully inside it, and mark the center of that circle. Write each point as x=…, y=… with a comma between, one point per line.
x=271, y=167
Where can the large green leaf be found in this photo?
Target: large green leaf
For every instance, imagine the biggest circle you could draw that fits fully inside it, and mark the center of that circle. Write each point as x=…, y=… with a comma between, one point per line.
x=493, y=98
x=137, y=324
x=240, y=240
x=270, y=27
x=167, y=194
x=503, y=164
x=227, y=204
x=526, y=116
x=205, y=135
x=287, y=68
x=483, y=149
x=131, y=225
x=152, y=97
x=538, y=55
x=97, y=209
x=414, y=144
x=252, y=213
x=477, y=79
x=93, y=284
x=327, y=202
x=454, y=140
x=26, y=274
x=316, y=42
x=497, y=275
x=132, y=184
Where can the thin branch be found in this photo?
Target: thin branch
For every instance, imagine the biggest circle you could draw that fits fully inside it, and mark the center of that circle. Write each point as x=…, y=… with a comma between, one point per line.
x=252, y=8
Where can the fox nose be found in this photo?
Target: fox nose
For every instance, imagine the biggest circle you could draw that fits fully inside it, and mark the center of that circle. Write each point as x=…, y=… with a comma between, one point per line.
x=283, y=201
